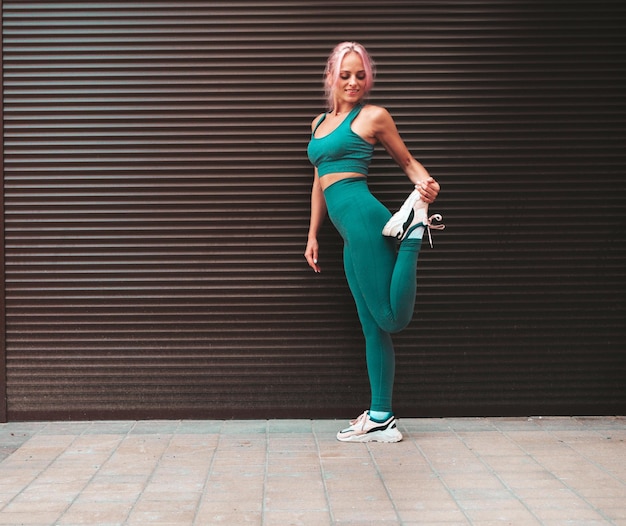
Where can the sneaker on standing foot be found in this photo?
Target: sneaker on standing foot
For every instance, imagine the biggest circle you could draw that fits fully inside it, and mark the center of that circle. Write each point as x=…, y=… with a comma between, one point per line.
x=364, y=429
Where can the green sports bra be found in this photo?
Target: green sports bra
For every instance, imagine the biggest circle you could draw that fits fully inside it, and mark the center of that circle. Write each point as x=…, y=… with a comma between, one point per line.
x=341, y=150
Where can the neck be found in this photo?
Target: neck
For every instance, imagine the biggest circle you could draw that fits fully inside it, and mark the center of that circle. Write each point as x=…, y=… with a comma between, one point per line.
x=342, y=110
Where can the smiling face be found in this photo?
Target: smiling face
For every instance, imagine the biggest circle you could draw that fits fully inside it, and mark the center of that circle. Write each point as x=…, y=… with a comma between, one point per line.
x=348, y=59
x=350, y=86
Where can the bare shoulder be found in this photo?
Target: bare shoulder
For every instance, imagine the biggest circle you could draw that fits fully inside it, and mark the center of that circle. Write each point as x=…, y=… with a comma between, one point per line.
x=379, y=118
x=377, y=114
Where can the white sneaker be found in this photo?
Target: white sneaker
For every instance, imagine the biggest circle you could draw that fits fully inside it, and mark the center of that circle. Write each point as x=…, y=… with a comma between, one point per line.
x=412, y=213
x=364, y=429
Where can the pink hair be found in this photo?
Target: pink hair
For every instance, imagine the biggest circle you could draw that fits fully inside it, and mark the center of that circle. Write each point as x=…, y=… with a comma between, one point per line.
x=333, y=68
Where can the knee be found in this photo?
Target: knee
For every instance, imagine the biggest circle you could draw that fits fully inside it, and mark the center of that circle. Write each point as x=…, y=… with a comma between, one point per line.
x=394, y=325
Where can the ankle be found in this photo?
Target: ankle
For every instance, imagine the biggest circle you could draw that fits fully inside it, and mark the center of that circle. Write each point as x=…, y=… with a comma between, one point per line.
x=415, y=232
x=379, y=416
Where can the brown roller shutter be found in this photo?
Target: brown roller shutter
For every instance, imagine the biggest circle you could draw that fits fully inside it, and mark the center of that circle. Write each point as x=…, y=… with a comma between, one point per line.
x=156, y=208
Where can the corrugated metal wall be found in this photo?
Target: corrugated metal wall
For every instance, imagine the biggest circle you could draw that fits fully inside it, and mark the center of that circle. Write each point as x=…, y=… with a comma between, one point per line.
x=156, y=208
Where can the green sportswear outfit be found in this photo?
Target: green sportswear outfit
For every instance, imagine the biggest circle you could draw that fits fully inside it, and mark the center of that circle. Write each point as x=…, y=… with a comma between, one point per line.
x=381, y=275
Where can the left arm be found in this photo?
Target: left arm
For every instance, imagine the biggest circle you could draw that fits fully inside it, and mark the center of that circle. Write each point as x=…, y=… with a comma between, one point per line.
x=386, y=132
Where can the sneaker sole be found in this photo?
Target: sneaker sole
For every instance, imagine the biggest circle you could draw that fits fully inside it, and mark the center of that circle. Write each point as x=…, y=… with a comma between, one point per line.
x=376, y=436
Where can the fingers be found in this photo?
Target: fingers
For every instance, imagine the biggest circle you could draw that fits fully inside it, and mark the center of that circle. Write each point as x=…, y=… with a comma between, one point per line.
x=311, y=257
x=428, y=189
x=313, y=264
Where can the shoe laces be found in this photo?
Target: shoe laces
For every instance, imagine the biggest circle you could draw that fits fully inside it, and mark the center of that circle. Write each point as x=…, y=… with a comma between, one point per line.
x=430, y=226
x=361, y=419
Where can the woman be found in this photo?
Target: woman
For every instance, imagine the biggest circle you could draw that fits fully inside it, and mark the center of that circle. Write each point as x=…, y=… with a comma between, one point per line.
x=381, y=275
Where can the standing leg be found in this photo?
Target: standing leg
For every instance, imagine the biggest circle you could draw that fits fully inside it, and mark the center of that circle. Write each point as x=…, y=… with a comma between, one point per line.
x=379, y=351
x=379, y=423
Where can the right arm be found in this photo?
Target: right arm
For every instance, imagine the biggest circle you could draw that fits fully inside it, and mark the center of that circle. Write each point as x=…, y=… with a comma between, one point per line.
x=318, y=213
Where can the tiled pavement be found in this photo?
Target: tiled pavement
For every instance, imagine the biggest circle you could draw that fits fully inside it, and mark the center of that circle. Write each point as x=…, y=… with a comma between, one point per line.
x=459, y=471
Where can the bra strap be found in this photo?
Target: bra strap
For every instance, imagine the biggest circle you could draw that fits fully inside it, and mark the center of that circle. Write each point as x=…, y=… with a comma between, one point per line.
x=317, y=125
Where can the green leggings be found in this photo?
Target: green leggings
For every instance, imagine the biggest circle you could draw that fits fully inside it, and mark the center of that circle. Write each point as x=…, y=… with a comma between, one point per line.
x=381, y=277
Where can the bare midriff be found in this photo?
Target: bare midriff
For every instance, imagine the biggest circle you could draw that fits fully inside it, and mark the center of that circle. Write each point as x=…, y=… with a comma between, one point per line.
x=332, y=178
